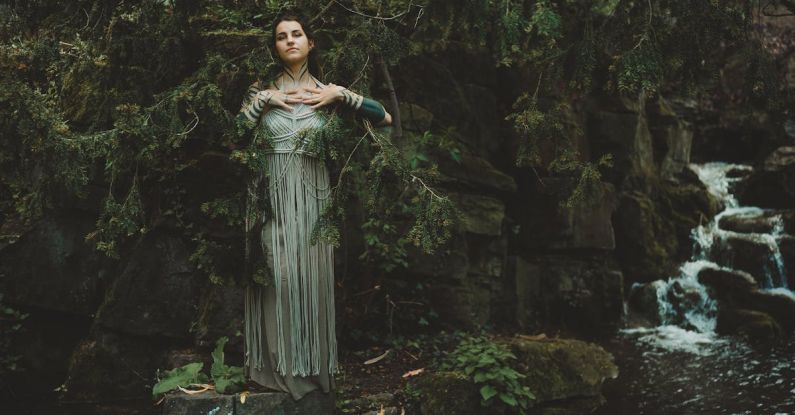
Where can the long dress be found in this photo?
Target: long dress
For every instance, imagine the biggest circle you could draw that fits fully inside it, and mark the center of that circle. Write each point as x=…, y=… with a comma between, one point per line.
x=290, y=330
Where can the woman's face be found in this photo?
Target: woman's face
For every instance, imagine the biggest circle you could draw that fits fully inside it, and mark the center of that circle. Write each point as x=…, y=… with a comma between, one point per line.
x=292, y=45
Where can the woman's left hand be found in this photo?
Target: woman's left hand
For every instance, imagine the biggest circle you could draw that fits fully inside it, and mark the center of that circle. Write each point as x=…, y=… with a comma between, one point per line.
x=323, y=96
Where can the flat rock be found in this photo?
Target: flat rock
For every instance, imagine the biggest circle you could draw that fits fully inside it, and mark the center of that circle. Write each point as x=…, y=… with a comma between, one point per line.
x=211, y=403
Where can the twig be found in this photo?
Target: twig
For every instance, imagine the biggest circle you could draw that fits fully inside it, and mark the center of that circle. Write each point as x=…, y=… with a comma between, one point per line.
x=361, y=73
x=408, y=9
x=342, y=171
x=320, y=13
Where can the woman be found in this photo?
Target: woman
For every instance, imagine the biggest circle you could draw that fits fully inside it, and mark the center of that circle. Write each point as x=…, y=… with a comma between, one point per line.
x=290, y=337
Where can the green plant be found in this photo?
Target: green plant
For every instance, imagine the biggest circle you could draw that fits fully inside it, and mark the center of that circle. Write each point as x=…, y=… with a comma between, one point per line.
x=226, y=378
x=488, y=364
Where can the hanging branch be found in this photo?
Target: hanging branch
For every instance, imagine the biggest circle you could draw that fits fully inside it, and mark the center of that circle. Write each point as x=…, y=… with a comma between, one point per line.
x=398, y=128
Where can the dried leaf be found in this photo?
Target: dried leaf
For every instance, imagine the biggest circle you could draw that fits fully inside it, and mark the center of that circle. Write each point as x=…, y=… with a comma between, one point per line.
x=204, y=388
x=377, y=359
x=243, y=396
x=414, y=372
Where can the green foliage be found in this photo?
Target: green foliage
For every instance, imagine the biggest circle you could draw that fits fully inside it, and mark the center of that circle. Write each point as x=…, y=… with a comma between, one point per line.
x=135, y=110
x=489, y=365
x=226, y=378
x=182, y=376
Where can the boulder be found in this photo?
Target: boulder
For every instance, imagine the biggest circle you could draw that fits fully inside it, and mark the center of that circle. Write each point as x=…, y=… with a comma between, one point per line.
x=448, y=393
x=771, y=186
x=756, y=326
x=759, y=222
x=786, y=246
x=561, y=369
x=778, y=305
x=565, y=375
x=749, y=254
x=645, y=302
x=726, y=283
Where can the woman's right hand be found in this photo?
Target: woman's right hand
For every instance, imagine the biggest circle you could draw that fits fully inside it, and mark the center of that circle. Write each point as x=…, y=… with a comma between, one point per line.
x=276, y=98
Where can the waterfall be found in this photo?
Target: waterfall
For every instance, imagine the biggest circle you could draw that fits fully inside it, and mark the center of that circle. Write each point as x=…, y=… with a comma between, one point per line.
x=687, y=314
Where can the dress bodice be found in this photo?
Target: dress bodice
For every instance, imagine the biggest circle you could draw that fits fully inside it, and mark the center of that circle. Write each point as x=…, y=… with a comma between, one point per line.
x=282, y=127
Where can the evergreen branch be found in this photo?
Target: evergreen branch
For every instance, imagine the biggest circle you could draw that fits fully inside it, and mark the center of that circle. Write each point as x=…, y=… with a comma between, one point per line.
x=414, y=177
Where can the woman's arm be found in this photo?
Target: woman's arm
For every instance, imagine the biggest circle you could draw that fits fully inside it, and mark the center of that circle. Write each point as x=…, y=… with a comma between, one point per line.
x=366, y=107
x=257, y=99
x=251, y=108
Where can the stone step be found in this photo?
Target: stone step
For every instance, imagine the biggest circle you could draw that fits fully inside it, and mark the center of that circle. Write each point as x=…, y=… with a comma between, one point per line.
x=266, y=403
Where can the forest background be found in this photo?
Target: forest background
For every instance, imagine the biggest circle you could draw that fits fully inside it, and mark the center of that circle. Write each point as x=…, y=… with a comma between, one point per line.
x=534, y=169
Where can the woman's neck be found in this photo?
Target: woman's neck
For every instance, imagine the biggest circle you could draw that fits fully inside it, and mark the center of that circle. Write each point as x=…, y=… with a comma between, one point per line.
x=297, y=76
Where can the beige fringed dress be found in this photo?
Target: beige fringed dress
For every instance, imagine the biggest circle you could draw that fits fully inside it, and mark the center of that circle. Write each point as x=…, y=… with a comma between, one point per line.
x=290, y=331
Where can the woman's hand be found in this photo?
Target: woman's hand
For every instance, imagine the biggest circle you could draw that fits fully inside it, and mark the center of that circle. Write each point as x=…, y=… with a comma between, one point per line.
x=279, y=99
x=324, y=96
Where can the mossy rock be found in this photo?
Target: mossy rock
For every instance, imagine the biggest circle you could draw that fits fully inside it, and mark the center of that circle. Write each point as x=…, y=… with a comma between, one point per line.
x=565, y=375
x=449, y=393
x=562, y=369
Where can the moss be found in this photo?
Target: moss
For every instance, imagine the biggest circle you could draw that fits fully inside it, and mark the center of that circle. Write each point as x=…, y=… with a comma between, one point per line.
x=449, y=393
x=562, y=368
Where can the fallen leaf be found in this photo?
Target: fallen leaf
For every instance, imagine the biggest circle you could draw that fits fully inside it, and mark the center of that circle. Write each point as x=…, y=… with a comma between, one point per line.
x=377, y=359
x=414, y=372
x=243, y=396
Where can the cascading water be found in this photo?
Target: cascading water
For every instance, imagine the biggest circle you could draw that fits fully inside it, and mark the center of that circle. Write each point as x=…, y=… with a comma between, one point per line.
x=682, y=366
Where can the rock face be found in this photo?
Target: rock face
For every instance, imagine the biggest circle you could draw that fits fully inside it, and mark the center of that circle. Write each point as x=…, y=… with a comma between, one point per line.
x=566, y=376
x=102, y=329
x=584, y=295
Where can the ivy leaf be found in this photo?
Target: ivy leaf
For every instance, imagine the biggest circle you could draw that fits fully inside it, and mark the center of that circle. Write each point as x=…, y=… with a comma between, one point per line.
x=487, y=392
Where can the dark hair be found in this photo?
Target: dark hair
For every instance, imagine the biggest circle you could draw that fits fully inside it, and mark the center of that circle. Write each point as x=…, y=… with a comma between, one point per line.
x=293, y=16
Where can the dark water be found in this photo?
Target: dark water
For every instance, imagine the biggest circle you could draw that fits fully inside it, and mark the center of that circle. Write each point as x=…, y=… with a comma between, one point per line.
x=721, y=376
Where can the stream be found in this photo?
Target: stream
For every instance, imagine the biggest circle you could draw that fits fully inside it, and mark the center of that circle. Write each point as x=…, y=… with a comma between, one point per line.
x=682, y=366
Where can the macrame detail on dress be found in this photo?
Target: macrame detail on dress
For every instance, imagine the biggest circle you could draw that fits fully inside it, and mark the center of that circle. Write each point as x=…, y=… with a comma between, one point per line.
x=298, y=191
